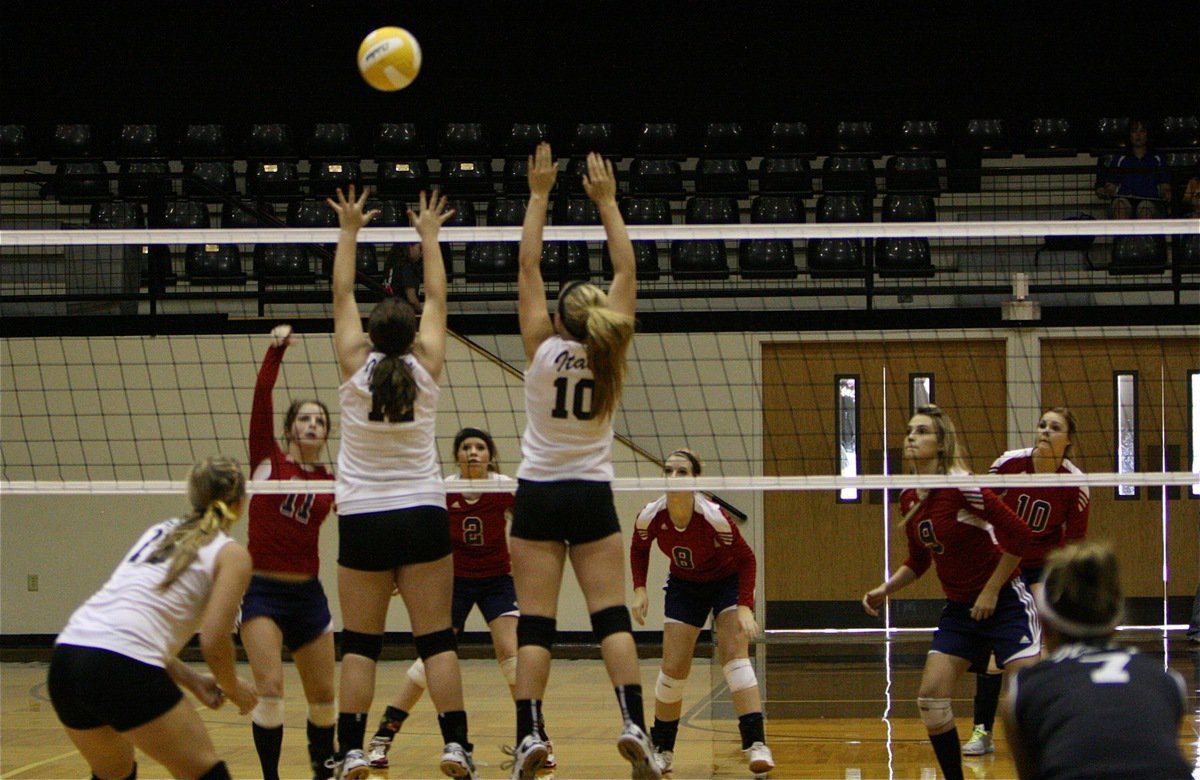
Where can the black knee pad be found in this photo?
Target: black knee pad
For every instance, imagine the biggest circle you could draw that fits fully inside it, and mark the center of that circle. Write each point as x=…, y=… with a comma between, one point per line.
x=368, y=645
x=218, y=771
x=611, y=620
x=429, y=645
x=536, y=630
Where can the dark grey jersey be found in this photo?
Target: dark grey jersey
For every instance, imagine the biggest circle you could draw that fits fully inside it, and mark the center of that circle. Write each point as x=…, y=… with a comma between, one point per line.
x=1097, y=712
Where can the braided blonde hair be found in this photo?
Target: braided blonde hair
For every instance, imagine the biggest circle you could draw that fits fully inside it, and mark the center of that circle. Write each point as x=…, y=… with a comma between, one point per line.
x=216, y=488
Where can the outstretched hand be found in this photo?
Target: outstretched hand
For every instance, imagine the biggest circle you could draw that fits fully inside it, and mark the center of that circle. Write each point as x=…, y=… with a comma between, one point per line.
x=431, y=215
x=350, y=210
x=600, y=183
x=542, y=171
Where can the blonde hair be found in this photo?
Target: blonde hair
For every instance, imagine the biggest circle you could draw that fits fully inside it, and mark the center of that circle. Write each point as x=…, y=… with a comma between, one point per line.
x=583, y=309
x=1081, y=595
x=216, y=488
x=951, y=455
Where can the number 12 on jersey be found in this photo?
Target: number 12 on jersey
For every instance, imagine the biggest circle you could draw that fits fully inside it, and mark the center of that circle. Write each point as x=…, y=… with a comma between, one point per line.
x=581, y=405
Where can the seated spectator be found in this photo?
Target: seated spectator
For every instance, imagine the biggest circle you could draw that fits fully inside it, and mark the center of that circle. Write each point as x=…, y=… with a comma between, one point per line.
x=1136, y=181
x=1190, y=207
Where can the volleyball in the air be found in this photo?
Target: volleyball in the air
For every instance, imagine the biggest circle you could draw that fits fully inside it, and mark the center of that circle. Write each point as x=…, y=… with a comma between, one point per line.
x=389, y=58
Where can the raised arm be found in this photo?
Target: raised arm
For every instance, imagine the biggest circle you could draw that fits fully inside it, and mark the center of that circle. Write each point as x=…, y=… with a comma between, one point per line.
x=532, y=313
x=601, y=186
x=430, y=346
x=349, y=341
x=262, y=412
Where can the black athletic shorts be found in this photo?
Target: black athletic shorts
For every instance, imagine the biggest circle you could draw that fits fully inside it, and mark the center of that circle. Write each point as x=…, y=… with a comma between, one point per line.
x=90, y=688
x=574, y=511
x=382, y=541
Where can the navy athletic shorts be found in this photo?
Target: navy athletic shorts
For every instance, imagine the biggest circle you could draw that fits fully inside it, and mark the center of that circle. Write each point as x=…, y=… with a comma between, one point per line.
x=1012, y=632
x=90, y=688
x=495, y=596
x=300, y=609
x=691, y=602
x=382, y=541
x=573, y=511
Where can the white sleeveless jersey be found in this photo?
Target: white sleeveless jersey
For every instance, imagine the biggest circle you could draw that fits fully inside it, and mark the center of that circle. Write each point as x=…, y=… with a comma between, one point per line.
x=561, y=440
x=387, y=465
x=132, y=616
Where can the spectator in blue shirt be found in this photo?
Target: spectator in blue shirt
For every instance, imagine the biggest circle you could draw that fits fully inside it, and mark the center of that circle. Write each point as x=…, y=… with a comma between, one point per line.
x=1136, y=181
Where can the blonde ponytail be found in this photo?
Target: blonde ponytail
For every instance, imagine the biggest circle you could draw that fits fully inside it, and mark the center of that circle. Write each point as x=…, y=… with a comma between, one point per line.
x=216, y=488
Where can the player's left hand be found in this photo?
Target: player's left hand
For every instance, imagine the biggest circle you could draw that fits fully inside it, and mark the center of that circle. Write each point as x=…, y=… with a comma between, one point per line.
x=985, y=605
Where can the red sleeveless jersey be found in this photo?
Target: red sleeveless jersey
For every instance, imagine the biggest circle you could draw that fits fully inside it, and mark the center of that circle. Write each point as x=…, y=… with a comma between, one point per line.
x=478, y=532
x=1055, y=515
x=284, y=530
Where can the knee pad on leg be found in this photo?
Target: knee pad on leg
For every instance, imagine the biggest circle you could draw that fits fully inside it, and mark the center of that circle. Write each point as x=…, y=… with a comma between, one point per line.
x=611, y=620
x=668, y=690
x=268, y=713
x=429, y=645
x=366, y=645
x=508, y=668
x=935, y=713
x=536, y=630
x=739, y=674
x=322, y=714
x=217, y=771
x=416, y=673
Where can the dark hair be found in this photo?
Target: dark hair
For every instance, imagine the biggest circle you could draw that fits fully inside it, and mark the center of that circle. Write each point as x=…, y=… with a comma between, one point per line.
x=1081, y=591
x=1065, y=413
x=293, y=411
x=692, y=458
x=392, y=327
x=477, y=433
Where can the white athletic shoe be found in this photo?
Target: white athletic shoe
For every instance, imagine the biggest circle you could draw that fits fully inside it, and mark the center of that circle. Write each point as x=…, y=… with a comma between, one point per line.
x=638, y=750
x=377, y=752
x=550, y=765
x=666, y=760
x=457, y=762
x=353, y=766
x=760, y=758
x=979, y=743
x=529, y=757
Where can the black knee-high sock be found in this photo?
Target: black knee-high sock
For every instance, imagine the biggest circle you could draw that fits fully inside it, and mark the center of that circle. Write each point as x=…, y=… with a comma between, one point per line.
x=529, y=714
x=752, y=729
x=454, y=727
x=269, y=744
x=987, y=697
x=320, y=745
x=663, y=733
x=217, y=771
x=541, y=726
x=389, y=725
x=949, y=757
x=351, y=726
x=630, y=699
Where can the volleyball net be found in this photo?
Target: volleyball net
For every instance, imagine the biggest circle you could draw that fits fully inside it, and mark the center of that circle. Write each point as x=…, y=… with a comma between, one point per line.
x=800, y=424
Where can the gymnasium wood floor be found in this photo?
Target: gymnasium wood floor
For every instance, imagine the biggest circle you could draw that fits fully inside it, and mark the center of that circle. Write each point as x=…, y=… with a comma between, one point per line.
x=840, y=708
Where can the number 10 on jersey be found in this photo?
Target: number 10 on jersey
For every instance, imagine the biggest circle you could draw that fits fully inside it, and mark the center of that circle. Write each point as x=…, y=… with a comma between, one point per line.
x=581, y=403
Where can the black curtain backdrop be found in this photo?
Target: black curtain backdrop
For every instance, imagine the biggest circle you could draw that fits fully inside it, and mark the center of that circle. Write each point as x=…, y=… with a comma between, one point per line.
x=178, y=61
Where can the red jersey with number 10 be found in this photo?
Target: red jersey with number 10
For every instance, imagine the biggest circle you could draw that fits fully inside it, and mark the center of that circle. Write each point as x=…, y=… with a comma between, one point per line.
x=284, y=530
x=1055, y=515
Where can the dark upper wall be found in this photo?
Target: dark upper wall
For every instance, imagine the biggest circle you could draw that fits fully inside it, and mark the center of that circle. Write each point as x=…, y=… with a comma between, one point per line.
x=275, y=60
